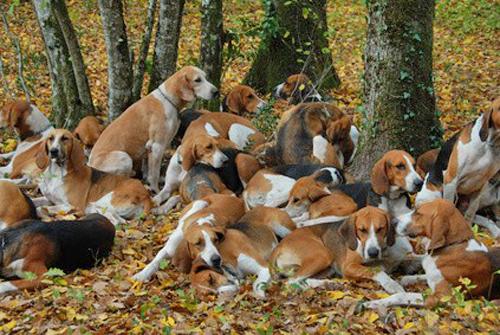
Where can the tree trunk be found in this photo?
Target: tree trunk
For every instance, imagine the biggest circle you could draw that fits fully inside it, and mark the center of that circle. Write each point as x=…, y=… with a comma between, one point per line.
x=143, y=53
x=119, y=65
x=399, y=110
x=82, y=83
x=166, y=41
x=293, y=41
x=212, y=35
x=67, y=107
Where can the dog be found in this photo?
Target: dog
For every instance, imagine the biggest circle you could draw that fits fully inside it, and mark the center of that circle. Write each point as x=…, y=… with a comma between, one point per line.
x=347, y=247
x=242, y=100
x=15, y=206
x=271, y=187
x=148, y=126
x=88, y=131
x=35, y=246
x=201, y=225
x=297, y=88
x=68, y=182
x=452, y=253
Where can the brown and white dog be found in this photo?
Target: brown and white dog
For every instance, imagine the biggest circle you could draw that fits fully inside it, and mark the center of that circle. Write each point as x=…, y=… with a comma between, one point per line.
x=452, y=253
x=271, y=187
x=68, y=182
x=242, y=100
x=31, y=125
x=297, y=88
x=466, y=163
x=35, y=246
x=202, y=143
x=246, y=248
x=347, y=247
x=88, y=131
x=148, y=126
x=15, y=206
x=201, y=225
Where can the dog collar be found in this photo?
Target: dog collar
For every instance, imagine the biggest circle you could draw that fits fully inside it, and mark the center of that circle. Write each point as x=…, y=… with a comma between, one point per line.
x=165, y=96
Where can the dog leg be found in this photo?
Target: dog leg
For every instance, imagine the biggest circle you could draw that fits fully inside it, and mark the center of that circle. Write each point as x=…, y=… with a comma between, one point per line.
x=38, y=268
x=166, y=207
x=56, y=209
x=412, y=279
x=250, y=265
x=398, y=299
x=154, y=162
x=488, y=224
x=474, y=205
x=390, y=285
x=41, y=201
x=305, y=283
x=173, y=178
x=450, y=191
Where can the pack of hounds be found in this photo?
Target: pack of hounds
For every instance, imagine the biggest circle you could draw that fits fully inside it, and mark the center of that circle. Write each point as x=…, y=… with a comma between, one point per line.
x=279, y=208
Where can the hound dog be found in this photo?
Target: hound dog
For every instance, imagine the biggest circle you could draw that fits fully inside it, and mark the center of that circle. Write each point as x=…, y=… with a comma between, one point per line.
x=452, y=253
x=35, y=246
x=466, y=163
x=242, y=100
x=202, y=142
x=88, y=131
x=347, y=247
x=297, y=88
x=201, y=225
x=271, y=187
x=68, y=182
x=15, y=206
x=148, y=126
x=31, y=126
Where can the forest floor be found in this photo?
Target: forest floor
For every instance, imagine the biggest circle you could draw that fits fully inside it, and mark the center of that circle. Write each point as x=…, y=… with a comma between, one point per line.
x=105, y=300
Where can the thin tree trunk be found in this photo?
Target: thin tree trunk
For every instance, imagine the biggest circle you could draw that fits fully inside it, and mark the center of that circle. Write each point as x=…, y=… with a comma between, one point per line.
x=143, y=53
x=67, y=107
x=166, y=41
x=212, y=35
x=61, y=13
x=400, y=111
x=294, y=41
x=119, y=65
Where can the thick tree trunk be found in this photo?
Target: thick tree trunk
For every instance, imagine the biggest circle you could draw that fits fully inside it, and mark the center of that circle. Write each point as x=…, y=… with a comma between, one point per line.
x=82, y=83
x=400, y=111
x=120, y=74
x=67, y=107
x=166, y=41
x=294, y=41
x=140, y=65
x=212, y=41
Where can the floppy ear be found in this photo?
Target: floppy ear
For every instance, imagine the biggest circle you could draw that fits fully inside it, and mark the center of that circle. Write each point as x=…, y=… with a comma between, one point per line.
x=247, y=166
x=188, y=155
x=14, y=115
x=483, y=133
x=317, y=192
x=220, y=233
x=187, y=93
x=77, y=155
x=42, y=156
x=348, y=232
x=182, y=259
x=380, y=182
x=234, y=102
x=439, y=230
x=339, y=129
x=391, y=231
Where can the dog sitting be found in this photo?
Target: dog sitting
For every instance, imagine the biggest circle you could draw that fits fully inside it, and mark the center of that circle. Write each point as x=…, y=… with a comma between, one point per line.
x=15, y=206
x=35, y=246
x=88, y=131
x=69, y=183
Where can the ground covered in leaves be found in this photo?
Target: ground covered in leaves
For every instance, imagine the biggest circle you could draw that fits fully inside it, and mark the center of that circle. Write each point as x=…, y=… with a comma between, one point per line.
x=105, y=300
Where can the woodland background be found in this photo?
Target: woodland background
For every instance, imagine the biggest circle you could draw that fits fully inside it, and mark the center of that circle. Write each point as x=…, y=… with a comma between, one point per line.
x=105, y=300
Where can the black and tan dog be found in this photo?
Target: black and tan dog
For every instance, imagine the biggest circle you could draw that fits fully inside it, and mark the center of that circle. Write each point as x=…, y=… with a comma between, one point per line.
x=35, y=246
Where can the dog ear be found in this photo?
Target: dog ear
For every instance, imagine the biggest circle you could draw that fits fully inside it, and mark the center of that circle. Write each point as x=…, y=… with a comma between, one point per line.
x=339, y=130
x=379, y=180
x=348, y=232
x=187, y=92
x=391, y=231
x=77, y=155
x=14, y=115
x=485, y=127
x=234, y=101
x=42, y=156
x=439, y=229
x=187, y=152
x=247, y=166
x=317, y=192
x=220, y=233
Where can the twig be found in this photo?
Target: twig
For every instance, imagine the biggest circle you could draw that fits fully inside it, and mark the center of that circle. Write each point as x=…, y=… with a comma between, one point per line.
x=4, y=79
x=17, y=46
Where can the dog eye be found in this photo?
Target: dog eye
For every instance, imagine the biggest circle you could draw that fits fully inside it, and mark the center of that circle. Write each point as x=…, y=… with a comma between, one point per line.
x=198, y=80
x=401, y=166
x=250, y=96
x=64, y=138
x=363, y=230
x=378, y=230
x=210, y=146
x=198, y=243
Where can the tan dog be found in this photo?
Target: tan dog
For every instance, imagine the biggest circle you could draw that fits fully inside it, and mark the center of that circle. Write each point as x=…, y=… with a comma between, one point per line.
x=347, y=247
x=148, y=126
x=242, y=100
x=297, y=88
x=69, y=183
x=15, y=206
x=88, y=131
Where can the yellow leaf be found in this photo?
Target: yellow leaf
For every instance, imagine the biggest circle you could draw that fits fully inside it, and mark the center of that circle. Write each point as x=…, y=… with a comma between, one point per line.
x=9, y=326
x=409, y=325
x=382, y=295
x=2, y=315
x=336, y=295
x=171, y=321
x=372, y=317
x=9, y=145
x=128, y=251
x=302, y=87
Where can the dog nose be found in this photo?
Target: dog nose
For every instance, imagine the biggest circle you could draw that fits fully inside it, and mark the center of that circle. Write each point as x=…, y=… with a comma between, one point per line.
x=216, y=261
x=418, y=184
x=373, y=252
x=54, y=152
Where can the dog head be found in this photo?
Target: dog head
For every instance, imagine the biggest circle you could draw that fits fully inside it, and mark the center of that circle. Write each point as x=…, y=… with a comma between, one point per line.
x=201, y=149
x=190, y=83
x=368, y=231
x=439, y=221
x=87, y=132
x=297, y=88
x=202, y=237
x=490, y=129
x=426, y=161
x=206, y=279
x=241, y=100
x=309, y=189
x=394, y=174
x=61, y=148
x=24, y=118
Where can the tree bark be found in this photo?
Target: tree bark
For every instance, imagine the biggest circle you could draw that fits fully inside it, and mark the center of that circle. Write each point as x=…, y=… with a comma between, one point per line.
x=293, y=41
x=140, y=66
x=166, y=41
x=82, y=83
x=212, y=41
x=119, y=65
x=399, y=109
x=67, y=106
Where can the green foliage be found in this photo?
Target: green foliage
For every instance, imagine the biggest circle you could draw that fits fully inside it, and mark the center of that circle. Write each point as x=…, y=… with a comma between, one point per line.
x=469, y=16
x=266, y=120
